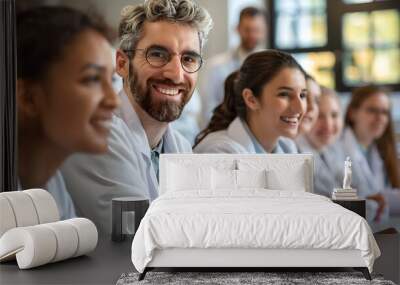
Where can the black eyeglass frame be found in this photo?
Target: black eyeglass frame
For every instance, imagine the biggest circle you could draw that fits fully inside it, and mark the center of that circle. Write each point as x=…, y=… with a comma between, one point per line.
x=146, y=51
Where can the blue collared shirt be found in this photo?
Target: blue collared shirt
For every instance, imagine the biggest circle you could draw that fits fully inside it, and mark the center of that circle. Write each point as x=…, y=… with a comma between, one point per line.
x=155, y=157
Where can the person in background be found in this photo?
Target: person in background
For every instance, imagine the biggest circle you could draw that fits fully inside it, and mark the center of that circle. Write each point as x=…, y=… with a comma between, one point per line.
x=311, y=115
x=369, y=140
x=161, y=43
x=264, y=101
x=252, y=29
x=320, y=141
x=65, y=97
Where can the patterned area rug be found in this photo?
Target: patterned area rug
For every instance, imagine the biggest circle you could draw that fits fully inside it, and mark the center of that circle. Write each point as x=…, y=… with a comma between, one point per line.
x=270, y=278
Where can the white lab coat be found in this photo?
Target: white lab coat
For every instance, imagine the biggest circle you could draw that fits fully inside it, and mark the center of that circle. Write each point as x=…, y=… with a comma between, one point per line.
x=235, y=139
x=368, y=180
x=126, y=170
x=328, y=173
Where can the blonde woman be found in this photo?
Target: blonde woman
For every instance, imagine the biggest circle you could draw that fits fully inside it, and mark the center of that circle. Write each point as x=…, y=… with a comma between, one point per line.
x=320, y=141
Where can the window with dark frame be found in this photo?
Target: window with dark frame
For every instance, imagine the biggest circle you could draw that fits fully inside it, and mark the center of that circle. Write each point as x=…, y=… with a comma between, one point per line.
x=342, y=43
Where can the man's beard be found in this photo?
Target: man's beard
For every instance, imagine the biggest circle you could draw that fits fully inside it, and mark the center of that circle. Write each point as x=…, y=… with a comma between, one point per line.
x=251, y=45
x=164, y=111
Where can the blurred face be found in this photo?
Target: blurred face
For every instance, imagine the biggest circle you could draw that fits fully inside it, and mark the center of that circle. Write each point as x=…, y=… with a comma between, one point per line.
x=162, y=92
x=252, y=32
x=372, y=118
x=328, y=125
x=74, y=102
x=282, y=104
x=311, y=115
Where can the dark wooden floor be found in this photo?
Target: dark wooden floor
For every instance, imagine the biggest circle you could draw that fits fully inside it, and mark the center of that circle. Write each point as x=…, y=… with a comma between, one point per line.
x=389, y=262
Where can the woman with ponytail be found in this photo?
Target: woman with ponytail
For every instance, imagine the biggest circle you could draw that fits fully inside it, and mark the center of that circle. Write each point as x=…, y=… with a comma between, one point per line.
x=263, y=106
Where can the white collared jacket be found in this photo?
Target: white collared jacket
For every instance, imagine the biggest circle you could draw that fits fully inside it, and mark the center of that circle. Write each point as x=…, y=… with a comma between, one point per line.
x=328, y=172
x=235, y=139
x=126, y=170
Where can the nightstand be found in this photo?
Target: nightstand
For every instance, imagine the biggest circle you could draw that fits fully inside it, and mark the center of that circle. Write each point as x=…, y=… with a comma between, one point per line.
x=127, y=212
x=356, y=206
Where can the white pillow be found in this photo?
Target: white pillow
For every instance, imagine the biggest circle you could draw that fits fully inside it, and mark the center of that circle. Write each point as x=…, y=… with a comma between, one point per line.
x=282, y=174
x=224, y=179
x=183, y=177
x=251, y=178
x=278, y=180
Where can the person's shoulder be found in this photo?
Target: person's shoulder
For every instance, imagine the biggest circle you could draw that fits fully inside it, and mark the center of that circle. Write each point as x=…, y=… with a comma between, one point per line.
x=347, y=141
x=336, y=148
x=56, y=181
x=288, y=145
x=121, y=136
x=302, y=144
x=118, y=127
x=219, y=142
x=182, y=144
x=346, y=135
x=57, y=187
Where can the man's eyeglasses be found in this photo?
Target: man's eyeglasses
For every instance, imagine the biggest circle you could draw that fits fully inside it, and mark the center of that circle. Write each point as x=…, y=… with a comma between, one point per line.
x=159, y=56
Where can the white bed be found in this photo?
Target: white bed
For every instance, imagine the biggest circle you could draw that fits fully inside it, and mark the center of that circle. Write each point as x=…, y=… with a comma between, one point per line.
x=221, y=211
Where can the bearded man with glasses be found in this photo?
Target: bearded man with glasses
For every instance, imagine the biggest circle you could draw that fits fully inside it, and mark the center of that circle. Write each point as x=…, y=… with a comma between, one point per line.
x=161, y=42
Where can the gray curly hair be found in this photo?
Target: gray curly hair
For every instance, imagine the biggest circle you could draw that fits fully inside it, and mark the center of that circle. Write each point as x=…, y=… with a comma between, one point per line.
x=182, y=11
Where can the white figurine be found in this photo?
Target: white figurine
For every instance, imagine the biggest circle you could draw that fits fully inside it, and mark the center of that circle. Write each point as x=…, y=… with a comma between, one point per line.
x=347, y=174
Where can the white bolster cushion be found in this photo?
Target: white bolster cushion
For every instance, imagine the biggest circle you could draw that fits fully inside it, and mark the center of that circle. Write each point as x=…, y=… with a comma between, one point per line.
x=33, y=246
x=7, y=218
x=46, y=207
x=26, y=208
x=67, y=240
x=40, y=244
x=23, y=208
x=87, y=235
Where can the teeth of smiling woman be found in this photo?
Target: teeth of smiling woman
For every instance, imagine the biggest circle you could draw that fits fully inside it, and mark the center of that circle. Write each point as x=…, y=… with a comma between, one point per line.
x=106, y=124
x=170, y=92
x=292, y=120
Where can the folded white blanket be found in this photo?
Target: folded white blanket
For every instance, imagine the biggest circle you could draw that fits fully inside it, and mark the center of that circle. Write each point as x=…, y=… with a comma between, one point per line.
x=253, y=218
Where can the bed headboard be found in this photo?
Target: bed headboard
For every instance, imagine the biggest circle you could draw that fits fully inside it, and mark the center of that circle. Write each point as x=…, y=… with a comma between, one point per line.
x=287, y=169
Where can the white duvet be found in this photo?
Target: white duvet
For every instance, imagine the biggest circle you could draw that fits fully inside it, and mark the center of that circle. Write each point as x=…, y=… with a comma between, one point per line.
x=252, y=218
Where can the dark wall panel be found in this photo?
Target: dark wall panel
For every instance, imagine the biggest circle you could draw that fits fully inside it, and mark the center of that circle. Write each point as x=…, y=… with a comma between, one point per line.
x=8, y=146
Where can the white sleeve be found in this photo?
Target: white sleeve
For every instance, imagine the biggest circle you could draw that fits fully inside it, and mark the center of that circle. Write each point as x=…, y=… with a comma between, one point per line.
x=93, y=180
x=219, y=146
